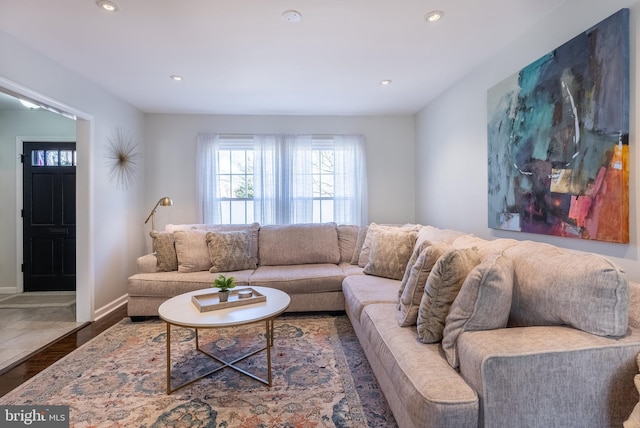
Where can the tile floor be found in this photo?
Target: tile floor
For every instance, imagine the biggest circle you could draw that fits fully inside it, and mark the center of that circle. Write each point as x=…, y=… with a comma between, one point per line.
x=24, y=331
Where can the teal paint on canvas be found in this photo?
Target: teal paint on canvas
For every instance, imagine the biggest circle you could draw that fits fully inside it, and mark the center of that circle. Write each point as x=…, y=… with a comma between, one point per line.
x=558, y=139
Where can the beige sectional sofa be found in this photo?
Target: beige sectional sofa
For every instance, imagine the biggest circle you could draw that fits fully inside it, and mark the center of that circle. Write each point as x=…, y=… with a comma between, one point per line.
x=459, y=331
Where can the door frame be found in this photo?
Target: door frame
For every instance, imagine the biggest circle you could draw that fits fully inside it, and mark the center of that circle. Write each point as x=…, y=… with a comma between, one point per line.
x=85, y=264
x=20, y=140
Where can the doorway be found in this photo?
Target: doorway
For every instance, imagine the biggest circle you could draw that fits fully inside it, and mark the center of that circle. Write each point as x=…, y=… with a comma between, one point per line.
x=49, y=216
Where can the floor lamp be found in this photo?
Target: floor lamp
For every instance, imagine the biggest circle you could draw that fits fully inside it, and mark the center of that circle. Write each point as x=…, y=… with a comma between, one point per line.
x=164, y=202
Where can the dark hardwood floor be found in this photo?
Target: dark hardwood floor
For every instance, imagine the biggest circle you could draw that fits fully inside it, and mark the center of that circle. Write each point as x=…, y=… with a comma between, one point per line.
x=55, y=351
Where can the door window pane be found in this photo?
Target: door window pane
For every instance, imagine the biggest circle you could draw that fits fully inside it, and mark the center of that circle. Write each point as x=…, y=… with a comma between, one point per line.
x=51, y=157
x=66, y=158
x=37, y=158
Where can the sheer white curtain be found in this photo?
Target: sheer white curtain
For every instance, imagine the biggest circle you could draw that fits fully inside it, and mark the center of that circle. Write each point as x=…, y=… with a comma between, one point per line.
x=350, y=181
x=209, y=209
x=283, y=179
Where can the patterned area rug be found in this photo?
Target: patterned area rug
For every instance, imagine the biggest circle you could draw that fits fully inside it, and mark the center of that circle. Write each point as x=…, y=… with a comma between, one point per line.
x=321, y=378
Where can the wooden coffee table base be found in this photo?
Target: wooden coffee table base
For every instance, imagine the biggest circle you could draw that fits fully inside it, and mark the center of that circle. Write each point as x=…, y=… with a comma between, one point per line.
x=230, y=364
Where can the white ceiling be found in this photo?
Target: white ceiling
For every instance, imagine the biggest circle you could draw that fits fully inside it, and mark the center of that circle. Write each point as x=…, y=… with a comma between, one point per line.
x=241, y=57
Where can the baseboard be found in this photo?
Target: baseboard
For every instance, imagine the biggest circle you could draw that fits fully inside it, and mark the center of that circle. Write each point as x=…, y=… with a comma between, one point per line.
x=107, y=309
x=9, y=290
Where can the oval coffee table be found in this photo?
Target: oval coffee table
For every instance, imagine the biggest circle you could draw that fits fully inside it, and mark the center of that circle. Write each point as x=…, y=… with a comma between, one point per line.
x=180, y=311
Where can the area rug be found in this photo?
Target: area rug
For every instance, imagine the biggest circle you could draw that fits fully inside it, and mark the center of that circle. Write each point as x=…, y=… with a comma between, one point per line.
x=320, y=378
x=45, y=299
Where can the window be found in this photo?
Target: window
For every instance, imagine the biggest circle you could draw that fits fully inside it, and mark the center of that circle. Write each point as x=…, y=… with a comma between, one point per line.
x=235, y=183
x=53, y=158
x=282, y=179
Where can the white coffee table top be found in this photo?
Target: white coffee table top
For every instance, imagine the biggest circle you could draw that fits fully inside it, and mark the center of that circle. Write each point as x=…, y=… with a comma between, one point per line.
x=179, y=310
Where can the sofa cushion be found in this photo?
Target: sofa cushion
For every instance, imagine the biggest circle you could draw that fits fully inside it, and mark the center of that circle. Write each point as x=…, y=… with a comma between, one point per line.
x=362, y=290
x=298, y=244
x=580, y=379
x=347, y=238
x=483, y=303
x=414, y=287
x=165, y=249
x=486, y=248
x=442, y=287
x=350, y=269
x=390, y=252
x=192, y=250
x=230, y=251
x=433, y=234
x=556, y=287
x=633, y=421
x=362, y=234
x=169, y=284
x=299, y=279
x=415, y=375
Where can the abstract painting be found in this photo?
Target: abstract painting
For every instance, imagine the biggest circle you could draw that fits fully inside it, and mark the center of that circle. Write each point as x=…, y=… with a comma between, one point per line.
x=558, y=140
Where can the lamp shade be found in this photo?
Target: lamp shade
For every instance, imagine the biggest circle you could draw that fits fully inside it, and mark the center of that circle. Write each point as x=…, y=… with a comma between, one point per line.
x=165, y=202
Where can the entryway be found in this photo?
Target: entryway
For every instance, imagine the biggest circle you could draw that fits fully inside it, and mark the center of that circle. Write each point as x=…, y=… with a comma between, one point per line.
x=49, y=216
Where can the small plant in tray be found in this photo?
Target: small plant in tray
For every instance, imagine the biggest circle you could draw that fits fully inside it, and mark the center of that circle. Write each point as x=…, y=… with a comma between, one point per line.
x=224, y=284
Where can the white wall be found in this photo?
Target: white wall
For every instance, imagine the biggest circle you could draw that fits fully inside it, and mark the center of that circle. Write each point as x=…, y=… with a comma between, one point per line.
x=451, y=135
x=171, y=158
x=109, y=230
x=40, y=123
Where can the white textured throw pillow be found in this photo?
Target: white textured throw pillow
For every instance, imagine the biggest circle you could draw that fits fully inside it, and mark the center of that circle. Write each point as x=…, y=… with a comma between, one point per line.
x=483, y=303
x=390, y=253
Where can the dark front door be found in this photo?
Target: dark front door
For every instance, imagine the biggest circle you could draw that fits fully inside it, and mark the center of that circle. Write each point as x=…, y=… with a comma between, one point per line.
x=49, y=216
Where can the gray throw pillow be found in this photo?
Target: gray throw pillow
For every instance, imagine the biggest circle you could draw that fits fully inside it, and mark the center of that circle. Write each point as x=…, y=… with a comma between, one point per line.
x=165, y=249
x=442, y=287
x=230, y=251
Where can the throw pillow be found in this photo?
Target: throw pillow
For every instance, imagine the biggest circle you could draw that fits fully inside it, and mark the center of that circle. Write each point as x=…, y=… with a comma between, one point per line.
x=372, y=230
x=192, y=250
x=390, y=252
x=164, y=247
x=417, y=249
x=252, y=229
x=230, y=251
x=442, y=287
x=483, y=303
x=414, y=288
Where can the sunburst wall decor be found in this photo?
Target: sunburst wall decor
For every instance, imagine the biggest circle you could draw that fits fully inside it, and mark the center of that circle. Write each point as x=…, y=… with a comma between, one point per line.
x=122, y=159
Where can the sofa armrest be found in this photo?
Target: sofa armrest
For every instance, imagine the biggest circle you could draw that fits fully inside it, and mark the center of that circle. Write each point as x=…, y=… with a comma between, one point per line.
x=550, y=376
x=147, y=263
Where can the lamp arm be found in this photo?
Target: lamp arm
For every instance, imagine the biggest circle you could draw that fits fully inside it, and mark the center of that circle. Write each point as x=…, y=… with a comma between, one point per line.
x=152, y=212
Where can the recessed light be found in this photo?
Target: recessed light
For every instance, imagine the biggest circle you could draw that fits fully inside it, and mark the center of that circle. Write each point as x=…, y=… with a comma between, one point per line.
x=434, y=16
x=176, y=77
x=292, y=16
x=385, y=82
x=107, y=5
